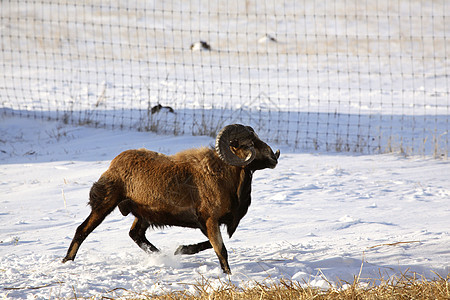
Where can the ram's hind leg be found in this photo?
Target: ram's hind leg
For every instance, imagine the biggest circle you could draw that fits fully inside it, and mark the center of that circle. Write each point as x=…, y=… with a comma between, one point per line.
x=94, y=219
x=137, y=233
x=103, y=199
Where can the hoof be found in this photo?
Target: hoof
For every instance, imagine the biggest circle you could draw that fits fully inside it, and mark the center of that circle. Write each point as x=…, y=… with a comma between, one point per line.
x=180, y=250
x=191, y=249
x=65, y=259
x=227, y=271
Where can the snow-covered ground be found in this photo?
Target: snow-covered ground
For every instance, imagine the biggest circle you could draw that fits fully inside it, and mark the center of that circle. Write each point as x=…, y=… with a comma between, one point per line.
x=316, y=218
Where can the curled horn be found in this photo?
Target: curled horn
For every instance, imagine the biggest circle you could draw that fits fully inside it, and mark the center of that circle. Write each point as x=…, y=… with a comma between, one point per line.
x=235, y=135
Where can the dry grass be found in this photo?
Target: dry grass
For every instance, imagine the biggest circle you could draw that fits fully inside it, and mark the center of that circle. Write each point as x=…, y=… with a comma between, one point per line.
x=405, y=286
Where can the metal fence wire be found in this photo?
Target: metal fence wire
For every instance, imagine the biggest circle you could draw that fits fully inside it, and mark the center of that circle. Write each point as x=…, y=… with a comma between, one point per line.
x=332, y=75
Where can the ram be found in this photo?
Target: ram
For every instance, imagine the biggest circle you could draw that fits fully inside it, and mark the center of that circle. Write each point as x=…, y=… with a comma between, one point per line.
x=197, y=188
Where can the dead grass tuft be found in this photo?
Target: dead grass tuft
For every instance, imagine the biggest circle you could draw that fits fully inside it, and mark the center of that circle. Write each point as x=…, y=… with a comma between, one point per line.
x=405, y=286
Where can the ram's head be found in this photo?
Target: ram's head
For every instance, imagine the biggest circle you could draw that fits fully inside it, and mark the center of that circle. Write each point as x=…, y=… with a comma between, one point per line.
x=240, y=146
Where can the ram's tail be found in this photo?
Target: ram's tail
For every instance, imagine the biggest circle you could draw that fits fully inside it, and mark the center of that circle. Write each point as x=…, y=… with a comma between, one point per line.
x=105, y=193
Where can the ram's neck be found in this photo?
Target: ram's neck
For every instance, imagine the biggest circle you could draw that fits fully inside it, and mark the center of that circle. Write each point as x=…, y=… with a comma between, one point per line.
x=242, y=199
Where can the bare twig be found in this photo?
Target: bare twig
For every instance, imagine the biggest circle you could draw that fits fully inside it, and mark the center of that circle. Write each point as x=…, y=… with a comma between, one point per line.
x=393, y=244
x=32, y=287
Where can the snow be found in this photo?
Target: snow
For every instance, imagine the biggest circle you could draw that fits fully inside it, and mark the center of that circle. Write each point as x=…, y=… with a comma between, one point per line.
x=316, y=218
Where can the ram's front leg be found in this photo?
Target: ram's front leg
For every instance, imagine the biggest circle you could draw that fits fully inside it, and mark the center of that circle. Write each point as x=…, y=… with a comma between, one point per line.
x=215, y=238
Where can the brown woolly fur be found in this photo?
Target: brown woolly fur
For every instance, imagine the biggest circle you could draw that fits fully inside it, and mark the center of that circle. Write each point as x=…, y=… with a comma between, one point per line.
x=196, y=188
x=176, y=195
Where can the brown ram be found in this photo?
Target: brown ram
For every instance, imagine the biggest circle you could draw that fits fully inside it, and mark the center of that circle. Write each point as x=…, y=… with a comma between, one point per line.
x=197, y=188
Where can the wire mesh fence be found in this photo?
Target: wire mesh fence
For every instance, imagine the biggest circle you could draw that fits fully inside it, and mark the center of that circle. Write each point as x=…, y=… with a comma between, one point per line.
x=337, y=75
